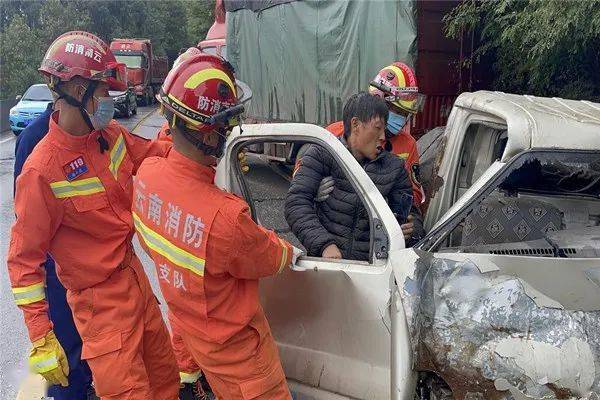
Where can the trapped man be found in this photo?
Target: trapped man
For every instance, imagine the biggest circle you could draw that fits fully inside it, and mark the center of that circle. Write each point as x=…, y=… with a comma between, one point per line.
x=338, y=227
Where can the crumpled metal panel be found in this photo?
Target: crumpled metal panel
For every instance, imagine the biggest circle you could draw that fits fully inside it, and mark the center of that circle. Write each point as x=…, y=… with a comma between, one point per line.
x=487, y=338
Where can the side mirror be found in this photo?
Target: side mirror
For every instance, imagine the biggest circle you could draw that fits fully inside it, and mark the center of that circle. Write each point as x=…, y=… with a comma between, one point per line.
x=18, y=97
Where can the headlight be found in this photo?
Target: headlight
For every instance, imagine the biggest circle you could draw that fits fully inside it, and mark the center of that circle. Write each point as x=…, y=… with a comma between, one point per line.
x=13, y=111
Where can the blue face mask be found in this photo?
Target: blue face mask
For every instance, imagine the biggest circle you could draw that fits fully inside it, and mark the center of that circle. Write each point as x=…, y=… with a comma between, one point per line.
x=104, y=112
x=395, y=123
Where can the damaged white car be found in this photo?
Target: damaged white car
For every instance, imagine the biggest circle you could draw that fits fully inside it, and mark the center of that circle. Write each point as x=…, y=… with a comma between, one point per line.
x=501, y=300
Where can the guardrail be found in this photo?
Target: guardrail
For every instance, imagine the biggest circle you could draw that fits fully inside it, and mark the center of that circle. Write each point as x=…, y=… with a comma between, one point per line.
x=5, y=106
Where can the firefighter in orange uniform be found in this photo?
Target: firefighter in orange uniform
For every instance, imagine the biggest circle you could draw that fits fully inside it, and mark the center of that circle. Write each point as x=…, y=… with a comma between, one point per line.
x=73, y=200
x=208, y=252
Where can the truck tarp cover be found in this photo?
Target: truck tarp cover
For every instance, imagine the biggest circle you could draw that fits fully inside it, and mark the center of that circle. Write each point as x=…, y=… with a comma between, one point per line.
x=303, y=59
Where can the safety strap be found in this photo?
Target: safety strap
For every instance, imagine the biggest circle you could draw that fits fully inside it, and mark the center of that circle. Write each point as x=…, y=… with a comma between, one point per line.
x=195, y=138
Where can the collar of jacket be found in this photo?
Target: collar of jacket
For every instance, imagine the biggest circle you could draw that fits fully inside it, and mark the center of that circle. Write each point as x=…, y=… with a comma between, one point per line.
x=71, y=142
x=190, y=168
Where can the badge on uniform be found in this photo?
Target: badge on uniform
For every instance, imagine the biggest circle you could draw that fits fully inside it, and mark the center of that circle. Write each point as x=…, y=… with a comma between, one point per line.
x=75, y=168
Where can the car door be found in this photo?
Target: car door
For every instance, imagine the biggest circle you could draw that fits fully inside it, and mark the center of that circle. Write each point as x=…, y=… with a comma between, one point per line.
x=329, y=317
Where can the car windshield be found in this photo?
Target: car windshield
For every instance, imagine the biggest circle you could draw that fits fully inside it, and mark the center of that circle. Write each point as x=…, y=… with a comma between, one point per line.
x=556, y=174
x=543, y=204
x=38, y=93
x=130, y=60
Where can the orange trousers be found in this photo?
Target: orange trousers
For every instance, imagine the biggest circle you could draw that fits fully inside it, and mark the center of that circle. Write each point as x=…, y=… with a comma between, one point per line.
x=246, y=366
x=125, y=340
x=188, y=368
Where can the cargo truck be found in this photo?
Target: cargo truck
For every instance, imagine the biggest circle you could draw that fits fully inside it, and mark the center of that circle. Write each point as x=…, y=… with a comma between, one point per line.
x=145, y=71
x=302, y=59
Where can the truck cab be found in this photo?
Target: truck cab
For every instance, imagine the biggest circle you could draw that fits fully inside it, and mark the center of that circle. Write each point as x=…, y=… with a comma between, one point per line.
x=215, y=41
x=500, y=300
x=145, y=71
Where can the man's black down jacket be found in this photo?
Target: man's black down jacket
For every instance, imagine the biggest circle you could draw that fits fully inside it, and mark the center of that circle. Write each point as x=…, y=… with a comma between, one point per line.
x=342, y=218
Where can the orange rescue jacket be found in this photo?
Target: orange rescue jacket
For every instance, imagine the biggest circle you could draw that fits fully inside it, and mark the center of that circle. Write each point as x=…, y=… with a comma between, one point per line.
x=74, y=202
x=208, y=252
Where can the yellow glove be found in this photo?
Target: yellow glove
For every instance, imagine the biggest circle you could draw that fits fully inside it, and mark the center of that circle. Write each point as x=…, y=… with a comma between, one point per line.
x=48, y=359
x=243, y=159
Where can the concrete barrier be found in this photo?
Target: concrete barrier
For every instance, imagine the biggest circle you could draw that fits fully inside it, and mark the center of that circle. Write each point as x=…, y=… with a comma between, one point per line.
x=5, y=106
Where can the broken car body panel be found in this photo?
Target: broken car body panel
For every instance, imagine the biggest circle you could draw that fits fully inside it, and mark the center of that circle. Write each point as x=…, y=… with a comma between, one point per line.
x=491, y=333
x=529, y=122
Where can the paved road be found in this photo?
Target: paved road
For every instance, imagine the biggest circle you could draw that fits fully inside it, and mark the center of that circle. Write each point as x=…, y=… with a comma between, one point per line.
x=13, y=336
x=267, y=184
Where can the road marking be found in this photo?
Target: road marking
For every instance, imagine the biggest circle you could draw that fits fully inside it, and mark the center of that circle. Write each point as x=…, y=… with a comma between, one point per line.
x=145, y=117
x=12, y=137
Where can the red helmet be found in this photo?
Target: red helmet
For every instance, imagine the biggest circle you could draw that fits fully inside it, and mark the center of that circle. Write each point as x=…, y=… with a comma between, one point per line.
x=201, y=90
x=78, y=53
x=397, y=84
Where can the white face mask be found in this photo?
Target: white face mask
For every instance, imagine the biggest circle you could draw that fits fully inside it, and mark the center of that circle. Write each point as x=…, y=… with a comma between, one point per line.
x=104, y=112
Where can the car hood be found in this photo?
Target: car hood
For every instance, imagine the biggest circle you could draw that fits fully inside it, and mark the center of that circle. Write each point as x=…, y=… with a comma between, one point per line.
x=32, y=106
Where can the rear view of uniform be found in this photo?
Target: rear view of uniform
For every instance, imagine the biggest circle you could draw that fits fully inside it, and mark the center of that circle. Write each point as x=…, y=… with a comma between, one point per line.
x=209, y=253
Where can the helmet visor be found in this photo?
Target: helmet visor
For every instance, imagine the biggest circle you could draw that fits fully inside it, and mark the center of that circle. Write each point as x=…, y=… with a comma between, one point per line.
x=115, y=75
x=244, y=93
x=407, y=97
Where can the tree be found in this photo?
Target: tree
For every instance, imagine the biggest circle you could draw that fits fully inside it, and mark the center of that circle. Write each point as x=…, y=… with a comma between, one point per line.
x=20, y=55
x=28, y=27
x=549, y=48
x=59, y=16
x=200, y=16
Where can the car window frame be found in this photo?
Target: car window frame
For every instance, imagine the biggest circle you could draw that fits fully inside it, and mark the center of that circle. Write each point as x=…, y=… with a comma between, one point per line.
x=441, y=232
x=373, y=261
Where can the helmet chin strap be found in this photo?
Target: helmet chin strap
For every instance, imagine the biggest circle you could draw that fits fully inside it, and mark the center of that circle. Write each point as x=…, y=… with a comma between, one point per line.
x=89, y=92
x=196, y=139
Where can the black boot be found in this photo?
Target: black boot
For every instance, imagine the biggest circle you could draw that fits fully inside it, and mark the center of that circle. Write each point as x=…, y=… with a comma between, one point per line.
x=91, y=394
x=195, y=391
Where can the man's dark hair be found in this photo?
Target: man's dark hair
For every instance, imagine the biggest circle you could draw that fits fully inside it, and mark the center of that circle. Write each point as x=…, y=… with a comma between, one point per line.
x=365, y=107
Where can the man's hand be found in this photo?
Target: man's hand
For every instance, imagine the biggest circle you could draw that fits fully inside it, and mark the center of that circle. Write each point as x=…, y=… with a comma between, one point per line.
x=332, y=251
x=297, y=253
x=325, y=188
x=408, y=228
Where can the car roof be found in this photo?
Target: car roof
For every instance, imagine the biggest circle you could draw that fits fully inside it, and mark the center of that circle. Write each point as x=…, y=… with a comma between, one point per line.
x=539, y=122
